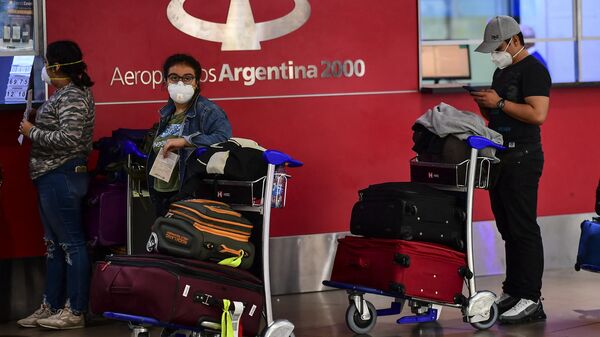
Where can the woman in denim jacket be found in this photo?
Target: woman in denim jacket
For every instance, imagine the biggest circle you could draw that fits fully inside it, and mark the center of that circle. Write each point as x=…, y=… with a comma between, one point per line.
x=188, y=121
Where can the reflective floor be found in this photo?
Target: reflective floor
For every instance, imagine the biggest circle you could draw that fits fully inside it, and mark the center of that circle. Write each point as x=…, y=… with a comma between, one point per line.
x=572, y=303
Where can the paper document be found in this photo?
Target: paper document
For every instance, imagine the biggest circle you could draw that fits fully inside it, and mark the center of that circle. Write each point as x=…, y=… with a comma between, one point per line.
x=163, y=167
x=26, y=113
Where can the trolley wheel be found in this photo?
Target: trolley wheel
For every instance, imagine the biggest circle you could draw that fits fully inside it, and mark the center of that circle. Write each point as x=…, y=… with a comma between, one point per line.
x=166, y=332
x=484, y=325
x=356, y=323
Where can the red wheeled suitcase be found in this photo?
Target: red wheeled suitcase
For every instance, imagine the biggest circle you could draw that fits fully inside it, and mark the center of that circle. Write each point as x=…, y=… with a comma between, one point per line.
x=175, y=290
x=412, y=269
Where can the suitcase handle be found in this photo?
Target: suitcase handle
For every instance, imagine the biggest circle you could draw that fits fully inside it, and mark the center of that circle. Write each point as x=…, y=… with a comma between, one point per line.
x=211, y=301
x=397, y=288
x=411, y=209
x=401, y=259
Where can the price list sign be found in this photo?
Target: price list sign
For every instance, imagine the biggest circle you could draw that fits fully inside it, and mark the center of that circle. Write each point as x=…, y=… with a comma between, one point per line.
x=18, y=79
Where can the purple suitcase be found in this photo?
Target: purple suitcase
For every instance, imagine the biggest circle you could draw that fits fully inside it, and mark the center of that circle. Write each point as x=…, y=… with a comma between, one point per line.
x=105, y=213
x=175, y=290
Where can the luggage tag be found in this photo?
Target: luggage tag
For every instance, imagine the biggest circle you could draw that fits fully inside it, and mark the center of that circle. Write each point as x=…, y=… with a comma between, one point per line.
x=163, y=166
x=232, y=261
x=230, y=323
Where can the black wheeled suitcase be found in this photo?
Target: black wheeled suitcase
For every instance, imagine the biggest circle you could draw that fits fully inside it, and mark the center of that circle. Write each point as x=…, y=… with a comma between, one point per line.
x=410, y=211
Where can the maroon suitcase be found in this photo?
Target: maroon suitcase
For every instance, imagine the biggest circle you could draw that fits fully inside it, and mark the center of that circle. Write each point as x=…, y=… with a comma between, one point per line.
x=105, y=213
x=174, y=290
x=412, y=269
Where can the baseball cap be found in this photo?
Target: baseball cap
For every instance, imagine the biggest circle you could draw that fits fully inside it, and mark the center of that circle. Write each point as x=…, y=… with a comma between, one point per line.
x=499, y=28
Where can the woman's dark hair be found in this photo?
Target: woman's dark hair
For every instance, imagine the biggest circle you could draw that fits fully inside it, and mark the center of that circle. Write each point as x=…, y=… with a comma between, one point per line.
x=519, y=36
x=66, y=54
x=182, y=59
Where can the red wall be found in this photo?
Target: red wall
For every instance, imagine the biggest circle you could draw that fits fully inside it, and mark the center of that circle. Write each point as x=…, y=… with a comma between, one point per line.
x=346, y=142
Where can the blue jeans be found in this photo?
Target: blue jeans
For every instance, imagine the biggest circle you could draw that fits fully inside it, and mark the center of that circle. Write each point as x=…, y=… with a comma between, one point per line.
x=60, y=196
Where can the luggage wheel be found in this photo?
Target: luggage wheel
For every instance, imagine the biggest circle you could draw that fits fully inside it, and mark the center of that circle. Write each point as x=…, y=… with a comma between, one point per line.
x=139, y=331
x=361, y=314
x=482, y=311
x=166, y=332
x=279, y=328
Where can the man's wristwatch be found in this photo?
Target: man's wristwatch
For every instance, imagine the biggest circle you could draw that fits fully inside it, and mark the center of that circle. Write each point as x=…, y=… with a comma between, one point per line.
x=501, y=103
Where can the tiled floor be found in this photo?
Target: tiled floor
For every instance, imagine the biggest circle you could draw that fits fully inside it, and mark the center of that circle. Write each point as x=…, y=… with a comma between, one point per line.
x=572, y=303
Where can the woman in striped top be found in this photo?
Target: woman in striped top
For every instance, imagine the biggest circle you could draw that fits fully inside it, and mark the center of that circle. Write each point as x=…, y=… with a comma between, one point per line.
x=61, y=141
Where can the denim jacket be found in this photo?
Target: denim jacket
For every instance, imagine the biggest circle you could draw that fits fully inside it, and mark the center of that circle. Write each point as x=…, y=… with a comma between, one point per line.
x=205, y=124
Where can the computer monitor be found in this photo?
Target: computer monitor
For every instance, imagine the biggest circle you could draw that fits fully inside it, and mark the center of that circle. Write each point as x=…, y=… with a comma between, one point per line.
x=445, y=62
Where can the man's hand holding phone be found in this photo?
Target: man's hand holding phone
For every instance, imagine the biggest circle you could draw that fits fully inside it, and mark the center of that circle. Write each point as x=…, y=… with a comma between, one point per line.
x=469, y=88
x=486, y=98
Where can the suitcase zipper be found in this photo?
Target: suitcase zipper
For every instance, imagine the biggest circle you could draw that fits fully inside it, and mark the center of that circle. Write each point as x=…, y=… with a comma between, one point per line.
x=222, y=233
x=212, y=229
x=223, y=211
x=195, y=221
x=206, y=201
x=174, y=268
x=211, y=218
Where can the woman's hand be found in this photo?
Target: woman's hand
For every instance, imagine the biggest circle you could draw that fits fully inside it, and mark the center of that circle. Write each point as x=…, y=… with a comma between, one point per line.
x=487, y=98
x=25, y=128
x=32, y=114
x=174, y=144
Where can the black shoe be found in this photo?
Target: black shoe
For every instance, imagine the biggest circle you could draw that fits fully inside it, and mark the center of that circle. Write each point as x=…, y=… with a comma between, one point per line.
x=525, y=311
x=505, y=302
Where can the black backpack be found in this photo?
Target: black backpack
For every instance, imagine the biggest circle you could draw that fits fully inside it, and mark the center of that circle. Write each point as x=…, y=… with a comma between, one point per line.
x=236, y=159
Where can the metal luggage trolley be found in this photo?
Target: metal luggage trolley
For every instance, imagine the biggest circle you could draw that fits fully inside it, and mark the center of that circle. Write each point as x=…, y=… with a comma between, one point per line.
x=479, y=307
x=274, y=187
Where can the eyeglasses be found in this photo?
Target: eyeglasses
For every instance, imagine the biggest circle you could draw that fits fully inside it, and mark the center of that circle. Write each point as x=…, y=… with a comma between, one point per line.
x=187, y=78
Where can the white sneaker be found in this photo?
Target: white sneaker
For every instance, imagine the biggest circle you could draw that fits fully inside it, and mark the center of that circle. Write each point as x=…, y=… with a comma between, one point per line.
x=31, y=320
x=63, y=319
x=524, y=311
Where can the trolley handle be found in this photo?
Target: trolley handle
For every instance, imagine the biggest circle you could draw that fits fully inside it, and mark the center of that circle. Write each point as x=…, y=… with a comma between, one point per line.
x=279, y=158
x=131, y=148
x=480, y=143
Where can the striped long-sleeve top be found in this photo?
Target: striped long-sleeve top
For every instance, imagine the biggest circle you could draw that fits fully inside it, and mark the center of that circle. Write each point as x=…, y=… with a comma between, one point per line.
x=63, y=130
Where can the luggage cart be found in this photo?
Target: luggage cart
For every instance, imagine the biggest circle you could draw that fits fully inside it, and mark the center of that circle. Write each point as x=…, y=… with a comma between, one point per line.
x=274, y=189
x=479, y=307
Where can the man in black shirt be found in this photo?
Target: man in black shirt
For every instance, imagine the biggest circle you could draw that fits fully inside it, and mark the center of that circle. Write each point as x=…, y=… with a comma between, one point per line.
x=516, y=106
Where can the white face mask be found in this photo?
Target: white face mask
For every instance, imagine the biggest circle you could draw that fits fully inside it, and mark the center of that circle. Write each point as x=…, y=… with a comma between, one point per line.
x=181, y=93
x=503, y=59
x=45, y=76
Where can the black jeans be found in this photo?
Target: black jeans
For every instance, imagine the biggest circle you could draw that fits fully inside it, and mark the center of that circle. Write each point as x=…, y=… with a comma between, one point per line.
x=514, y=203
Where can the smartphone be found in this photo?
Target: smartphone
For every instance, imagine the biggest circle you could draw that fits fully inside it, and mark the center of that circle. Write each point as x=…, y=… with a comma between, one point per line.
x=469, y=88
